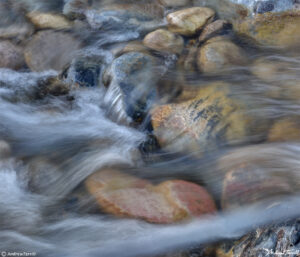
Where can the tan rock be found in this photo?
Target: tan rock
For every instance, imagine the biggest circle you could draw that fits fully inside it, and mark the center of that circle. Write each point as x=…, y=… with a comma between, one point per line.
x=212, y=29
x=271, y=29
x=218, y=54
x=49, y=20
x=164, y=41
x=189, y=21
x=11, y=56
x=200, y=124
x=50, y=50
x=284, y=130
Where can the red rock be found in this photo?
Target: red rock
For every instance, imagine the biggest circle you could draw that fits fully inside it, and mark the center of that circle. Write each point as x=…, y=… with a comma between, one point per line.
x=127, y=196
x=194, y=199
x=248, y=184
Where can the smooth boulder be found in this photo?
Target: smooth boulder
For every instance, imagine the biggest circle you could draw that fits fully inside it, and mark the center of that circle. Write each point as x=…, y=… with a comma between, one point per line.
x=190, y=21
x=123, y=195
x=271, y=29
x=49, y=20
x=209, y=120
x=11, y=56
x=164, y=41
x=50, y=50
x=218, y=54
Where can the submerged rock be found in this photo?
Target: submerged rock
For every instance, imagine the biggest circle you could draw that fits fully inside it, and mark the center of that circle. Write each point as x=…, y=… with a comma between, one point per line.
x=127, y=196
x=213, y=29
x=11, y=56
x=135, y=75
x=264, y=6
x=130, y=18
x=164, y=41
x=189, y=21
x=49, y=20
x=13, y=23
x=251, y=183
x=84, y=72
x=218, y=54
x=285, y=130
x=211, y=119
x=271, y=29
x=50, y=50
x=75, y=8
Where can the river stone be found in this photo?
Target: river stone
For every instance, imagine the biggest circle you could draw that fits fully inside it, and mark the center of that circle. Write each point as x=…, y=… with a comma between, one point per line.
x=48, y=20
x=164, y=41
x=84, y=71
x=131, y=18
x=194, y=199
x=218, y=54
x=75, y=8
x=213, y=29
x=11, y=56
x=175, y=3
x=211, y=119
x=133, y=46
x=284, y=130
x=13, y=22
x=50, y=50
x=135, y=75
x=271, y=29
x=249, y=183
x=189, y=21
x=271, y=240
x=127, y=196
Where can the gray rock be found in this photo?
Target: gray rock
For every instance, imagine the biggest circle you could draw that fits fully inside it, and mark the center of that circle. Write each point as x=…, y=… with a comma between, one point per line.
x=12, y=21
x=134, y=74
x=11, y=56
x=50, y=50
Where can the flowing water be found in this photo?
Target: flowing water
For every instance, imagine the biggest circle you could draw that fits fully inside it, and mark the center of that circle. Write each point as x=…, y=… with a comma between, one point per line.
x=55, y=143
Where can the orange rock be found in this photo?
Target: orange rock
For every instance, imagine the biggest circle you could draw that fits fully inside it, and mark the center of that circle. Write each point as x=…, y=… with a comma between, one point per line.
x=127, y=196
x=193, y=198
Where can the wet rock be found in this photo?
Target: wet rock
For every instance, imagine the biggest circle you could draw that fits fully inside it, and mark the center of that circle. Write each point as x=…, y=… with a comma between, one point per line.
x=84, y=72
x=49, y=20
x=213, y=29
x=188, y=196
x=75, y=8
x=264, y=6
x=189, y=21
x=271, y=240
x=51, y=86
x=11, y=56
x=50, y=50
x=271, y=29
x=133, y=46
x=284, y=130
x=250, y=183
x=164, y=41
x=135, y=75
x=282, y=77
x=130, y=18
x=13, y=22
x=272, y=70
x=218, y=54
x=127, y=196
x=201, y=124
x=175, y=3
